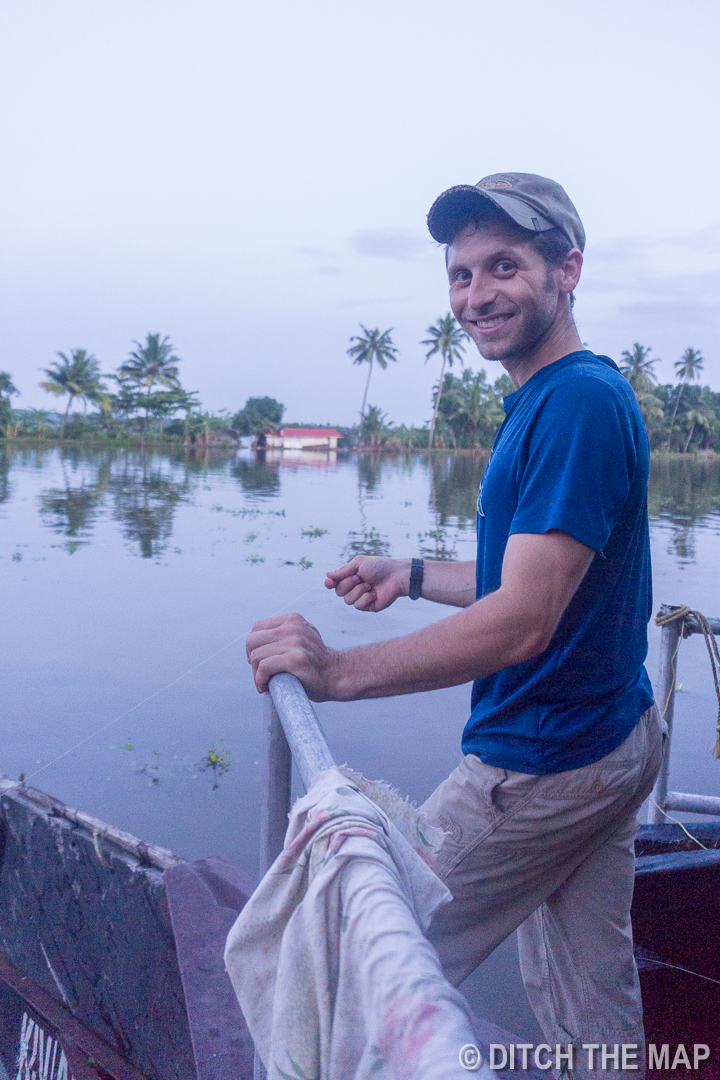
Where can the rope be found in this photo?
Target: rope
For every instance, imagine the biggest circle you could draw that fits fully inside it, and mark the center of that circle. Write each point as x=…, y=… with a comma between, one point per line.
x=677, y=822
x=676, y=967
x=683, y=612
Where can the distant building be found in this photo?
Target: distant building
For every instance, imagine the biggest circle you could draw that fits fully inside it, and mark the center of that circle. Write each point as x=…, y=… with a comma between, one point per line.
x=299, y=439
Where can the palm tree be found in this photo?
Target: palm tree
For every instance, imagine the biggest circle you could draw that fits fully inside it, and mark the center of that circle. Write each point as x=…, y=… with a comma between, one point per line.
x=39, y=420
x=638, y=368
x=373, y=346
x=7, y=387
x=448, y=339
x=151, y=364
x=696, y=416
x=687, y=367
x=77, y=376
x=375, y=424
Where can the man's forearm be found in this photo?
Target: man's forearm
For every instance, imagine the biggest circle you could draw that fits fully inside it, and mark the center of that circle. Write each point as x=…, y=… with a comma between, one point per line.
x=491, y=634
x=449, y=583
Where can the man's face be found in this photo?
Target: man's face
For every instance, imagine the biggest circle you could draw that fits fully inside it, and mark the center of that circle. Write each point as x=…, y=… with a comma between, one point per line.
x=502, y=292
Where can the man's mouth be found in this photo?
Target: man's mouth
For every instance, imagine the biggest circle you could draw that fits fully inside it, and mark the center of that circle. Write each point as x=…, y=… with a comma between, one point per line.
x=491, y=321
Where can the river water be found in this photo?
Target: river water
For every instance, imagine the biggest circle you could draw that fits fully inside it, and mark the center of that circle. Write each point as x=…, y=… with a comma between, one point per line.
x=130, y=580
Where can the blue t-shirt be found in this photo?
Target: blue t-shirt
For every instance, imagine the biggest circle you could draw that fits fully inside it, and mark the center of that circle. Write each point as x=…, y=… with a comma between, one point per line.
x=571, y=454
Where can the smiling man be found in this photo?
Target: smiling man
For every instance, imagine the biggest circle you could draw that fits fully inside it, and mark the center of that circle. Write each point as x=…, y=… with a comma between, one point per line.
x=563, y=743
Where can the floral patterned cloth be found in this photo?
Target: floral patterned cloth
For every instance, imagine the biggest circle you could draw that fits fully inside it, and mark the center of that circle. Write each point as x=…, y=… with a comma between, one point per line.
x=328, y=958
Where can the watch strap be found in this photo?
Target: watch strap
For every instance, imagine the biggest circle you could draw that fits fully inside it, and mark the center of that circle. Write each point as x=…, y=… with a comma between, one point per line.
x=416, y=578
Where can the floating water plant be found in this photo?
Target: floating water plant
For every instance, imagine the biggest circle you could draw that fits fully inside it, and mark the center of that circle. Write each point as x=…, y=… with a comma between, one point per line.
x=444, y=547
x=247, y=511
x=216, y=761
x=369, y=542
x=255, y=559
x=313, y=533
x=304, y=563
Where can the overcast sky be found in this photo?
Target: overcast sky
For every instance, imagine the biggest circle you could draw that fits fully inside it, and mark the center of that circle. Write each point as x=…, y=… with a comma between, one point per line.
x=252, y=179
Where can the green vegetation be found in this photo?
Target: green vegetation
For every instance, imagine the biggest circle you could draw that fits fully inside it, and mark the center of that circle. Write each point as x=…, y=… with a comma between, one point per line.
x=78, y=376
x=448, y=339
x=148, y=404
x=373, y=346
x=217, y=763
x=258, y=414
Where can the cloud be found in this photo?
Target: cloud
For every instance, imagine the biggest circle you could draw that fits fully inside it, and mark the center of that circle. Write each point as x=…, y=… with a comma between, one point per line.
x=400, y=244
x=314, y=253
x=663, y=291
x=328, y=268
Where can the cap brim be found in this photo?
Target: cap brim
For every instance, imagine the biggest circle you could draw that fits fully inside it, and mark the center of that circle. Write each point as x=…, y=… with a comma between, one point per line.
x=453, y=208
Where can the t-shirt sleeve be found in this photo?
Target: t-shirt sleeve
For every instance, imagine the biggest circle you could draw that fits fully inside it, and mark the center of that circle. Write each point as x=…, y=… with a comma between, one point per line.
x=579, y=463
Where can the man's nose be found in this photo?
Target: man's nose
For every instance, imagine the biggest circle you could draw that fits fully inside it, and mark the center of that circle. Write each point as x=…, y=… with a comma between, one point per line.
x=482, y=292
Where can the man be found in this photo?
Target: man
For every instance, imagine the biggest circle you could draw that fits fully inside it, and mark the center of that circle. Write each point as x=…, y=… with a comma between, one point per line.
x=564, y=743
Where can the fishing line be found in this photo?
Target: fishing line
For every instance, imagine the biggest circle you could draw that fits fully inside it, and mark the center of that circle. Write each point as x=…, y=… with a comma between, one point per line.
x=162, y=689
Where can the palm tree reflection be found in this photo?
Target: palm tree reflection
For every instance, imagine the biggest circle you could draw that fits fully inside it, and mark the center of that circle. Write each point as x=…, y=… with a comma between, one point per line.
x=72, y=510
x=145, y=503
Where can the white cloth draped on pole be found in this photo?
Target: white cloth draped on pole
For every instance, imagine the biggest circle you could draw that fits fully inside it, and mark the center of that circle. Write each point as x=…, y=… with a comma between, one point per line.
x=328, y=958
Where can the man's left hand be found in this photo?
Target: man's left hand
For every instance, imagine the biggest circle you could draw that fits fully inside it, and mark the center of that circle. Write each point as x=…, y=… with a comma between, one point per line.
x=290, y=643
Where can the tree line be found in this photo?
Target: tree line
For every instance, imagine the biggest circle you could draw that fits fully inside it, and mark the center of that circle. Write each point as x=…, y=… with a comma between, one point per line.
x=144, y=398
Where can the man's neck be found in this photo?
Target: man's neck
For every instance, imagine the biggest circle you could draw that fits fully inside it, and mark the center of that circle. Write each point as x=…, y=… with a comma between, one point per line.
x=560, y=339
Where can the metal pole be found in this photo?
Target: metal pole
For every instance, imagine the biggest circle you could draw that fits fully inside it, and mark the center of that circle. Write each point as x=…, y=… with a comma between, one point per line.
x=292, y=730
x=310, y=750
x=275, y=805
x=665, y=701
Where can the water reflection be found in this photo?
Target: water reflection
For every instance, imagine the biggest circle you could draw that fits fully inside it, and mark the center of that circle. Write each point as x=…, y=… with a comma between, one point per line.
x=145, y=504
x=258, y=476
x=684, y=494
x=4, y=470
x=147, y=488
x=370, y=467
x=72, y=510
x=455, y=482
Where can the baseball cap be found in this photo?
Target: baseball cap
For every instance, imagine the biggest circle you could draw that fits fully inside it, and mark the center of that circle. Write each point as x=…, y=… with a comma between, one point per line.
x=533, y=202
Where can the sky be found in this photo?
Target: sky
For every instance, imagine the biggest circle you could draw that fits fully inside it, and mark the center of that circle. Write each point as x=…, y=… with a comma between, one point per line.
x=253, y=179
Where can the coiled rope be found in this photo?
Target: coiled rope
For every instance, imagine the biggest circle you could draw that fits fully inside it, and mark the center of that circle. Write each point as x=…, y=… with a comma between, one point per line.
x=685, y=614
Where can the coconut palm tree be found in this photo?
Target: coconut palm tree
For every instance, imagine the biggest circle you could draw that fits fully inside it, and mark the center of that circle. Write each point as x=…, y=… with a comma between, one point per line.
x=687, y=367
x=39, y=421
x=638, y=368
x=373, y=346
x=7, y=387
x=448, y=339
x=149, y=365
x=696, y=416
x=375, y=424
x=78, y=376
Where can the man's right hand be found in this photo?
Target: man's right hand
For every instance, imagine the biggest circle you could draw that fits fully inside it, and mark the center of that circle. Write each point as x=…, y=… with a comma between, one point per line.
x=370, y=582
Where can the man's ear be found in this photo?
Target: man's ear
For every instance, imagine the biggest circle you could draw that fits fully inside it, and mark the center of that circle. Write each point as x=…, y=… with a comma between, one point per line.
x=571, y=270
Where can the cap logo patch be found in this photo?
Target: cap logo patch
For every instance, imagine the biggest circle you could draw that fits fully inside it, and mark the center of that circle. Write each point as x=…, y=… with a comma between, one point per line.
x=496, y=182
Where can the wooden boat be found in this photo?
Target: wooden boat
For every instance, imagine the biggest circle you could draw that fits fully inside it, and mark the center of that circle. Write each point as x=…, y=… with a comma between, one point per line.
x=111, y=950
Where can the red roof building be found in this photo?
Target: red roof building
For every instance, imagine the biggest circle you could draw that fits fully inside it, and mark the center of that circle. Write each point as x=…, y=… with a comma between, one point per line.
x=297, y=438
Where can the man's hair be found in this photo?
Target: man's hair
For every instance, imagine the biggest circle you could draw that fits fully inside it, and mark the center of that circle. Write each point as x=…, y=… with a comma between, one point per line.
x=552, y=245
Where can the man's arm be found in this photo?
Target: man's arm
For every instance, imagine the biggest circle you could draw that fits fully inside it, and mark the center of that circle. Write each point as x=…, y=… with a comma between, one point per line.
x=371, y=583
x=540, y=575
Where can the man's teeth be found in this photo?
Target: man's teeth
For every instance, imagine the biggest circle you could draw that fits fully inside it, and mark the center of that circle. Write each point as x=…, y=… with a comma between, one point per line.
x=487, y=324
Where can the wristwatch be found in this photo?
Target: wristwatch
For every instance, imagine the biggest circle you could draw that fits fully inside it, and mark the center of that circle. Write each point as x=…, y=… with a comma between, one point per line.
x=416, y=578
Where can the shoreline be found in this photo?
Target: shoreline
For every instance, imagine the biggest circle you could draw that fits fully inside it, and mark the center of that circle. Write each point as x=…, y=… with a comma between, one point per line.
x=171, y=444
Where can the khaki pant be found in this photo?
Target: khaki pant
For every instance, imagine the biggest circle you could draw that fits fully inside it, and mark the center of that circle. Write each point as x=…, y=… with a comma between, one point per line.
x=553, y=856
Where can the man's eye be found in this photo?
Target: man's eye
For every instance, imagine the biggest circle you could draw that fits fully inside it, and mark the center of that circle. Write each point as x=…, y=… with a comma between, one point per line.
x=463, y=275
x=505, y=267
